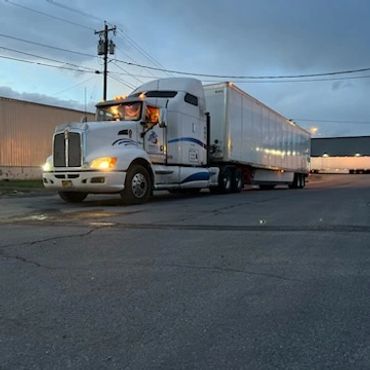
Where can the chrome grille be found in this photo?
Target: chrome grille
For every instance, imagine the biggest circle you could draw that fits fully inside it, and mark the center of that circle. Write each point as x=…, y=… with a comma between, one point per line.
x=67, y=150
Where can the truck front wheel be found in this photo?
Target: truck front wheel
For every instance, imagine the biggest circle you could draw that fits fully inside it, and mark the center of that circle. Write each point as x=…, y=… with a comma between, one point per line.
x=72, y=196
x=138, y=185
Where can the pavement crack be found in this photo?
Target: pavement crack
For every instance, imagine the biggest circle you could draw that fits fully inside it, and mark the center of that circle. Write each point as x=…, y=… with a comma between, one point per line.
x=231, y=270
x=81, y=235
x=24, y=260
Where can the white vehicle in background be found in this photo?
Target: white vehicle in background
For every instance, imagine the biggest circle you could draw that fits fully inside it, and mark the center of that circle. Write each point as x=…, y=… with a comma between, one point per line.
x=177, y=135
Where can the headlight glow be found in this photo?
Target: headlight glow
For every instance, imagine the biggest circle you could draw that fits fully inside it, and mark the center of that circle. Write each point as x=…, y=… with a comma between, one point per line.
x=46, y=167
x=104, y=163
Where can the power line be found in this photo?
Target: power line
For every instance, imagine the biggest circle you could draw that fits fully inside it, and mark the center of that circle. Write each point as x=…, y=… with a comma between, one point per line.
x=126, y=55
x=49, y=65
x=304, y=80
x=124, y=35
x=72, y=87
x=330, y=121
x=206, y=81
x=45, y=58
x=121, y=82
x=240, y=79
x=127, y=72
x=47, y=46
x=243, y=77
x=52, y=2
x=153, y=76
x=142, y=51
x=48, y=15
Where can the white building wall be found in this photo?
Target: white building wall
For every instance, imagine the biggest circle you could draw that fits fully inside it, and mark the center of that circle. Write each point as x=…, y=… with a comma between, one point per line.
x=339, y=164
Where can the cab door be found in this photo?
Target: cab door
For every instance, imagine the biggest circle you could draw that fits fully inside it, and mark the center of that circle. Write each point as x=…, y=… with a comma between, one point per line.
x=154, y=139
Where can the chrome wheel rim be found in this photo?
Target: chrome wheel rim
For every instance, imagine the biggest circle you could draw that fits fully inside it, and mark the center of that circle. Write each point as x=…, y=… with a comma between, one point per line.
x=139, y=185
x=227, y=182
x=239, y=182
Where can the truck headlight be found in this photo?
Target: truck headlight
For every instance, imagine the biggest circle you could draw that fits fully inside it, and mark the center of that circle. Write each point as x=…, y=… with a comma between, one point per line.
x=46, y=167
x=104, y=163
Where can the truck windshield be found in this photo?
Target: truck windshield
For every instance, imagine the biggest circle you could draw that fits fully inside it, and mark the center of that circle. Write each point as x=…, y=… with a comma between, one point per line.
x=120, y=112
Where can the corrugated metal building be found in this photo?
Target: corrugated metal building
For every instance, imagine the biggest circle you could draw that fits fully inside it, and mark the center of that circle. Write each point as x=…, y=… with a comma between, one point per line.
x=26, y=131
x=341, y=154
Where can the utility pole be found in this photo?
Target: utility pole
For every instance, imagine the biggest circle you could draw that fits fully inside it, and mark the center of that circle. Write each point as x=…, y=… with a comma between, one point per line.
x=105, y=46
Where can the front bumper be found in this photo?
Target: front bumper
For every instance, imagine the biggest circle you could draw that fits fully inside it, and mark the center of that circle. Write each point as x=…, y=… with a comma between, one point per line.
x=85, y=181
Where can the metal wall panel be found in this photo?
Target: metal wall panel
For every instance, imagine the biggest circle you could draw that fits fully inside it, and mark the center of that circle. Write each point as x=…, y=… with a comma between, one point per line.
x=26, y=131
x=340, y=146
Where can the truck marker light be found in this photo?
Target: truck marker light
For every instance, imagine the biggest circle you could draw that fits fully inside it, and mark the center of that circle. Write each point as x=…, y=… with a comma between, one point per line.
x=104, y=163
x=120, y=97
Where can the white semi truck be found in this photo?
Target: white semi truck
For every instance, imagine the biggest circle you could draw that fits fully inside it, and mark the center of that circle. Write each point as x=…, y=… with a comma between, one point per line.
x=176, y=134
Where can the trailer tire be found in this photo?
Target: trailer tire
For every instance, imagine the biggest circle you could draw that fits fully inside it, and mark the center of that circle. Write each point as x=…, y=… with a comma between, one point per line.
x=238, y=183
x=138, y=185
x=303, y=181
x=72, y=196
x=225, y=180
x=295, y=183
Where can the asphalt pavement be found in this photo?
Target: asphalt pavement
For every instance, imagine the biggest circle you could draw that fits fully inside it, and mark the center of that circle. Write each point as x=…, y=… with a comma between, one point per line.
x=276, y=279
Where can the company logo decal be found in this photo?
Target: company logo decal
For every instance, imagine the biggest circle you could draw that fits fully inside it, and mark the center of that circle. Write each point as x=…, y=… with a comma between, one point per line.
x=153, y=138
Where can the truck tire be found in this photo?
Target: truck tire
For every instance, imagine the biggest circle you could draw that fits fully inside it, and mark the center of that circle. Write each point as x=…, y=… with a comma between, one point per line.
x=238, y=183
x=295, y=183
x=138, y=185
x=225, y=180
x=72, y=196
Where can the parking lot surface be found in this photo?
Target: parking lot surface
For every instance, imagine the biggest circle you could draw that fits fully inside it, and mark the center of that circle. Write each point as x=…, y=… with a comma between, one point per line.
x=273, y=279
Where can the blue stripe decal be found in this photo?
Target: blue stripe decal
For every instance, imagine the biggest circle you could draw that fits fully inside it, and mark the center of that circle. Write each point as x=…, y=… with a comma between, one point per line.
x=124, y=141
x=199, y=176
x=189, y=139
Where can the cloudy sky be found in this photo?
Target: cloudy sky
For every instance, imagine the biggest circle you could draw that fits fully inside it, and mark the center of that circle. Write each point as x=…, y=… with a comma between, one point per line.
x=224, y=37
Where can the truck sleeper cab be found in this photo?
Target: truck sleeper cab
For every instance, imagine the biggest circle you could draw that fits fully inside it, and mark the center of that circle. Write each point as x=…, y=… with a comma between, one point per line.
x=153, y=139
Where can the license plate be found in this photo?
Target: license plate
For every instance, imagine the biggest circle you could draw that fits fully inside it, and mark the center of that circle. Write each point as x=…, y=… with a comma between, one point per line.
x=67, y=183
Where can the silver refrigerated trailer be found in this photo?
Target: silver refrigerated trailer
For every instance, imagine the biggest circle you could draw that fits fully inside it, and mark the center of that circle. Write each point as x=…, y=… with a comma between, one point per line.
x=176, y=134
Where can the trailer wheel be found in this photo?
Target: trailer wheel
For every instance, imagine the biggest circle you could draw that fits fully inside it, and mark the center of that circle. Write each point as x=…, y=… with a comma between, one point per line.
x=295, y=183
x=238, y=183
x=138, y=185
x=303, y=181
x=72, y=197
x=225, y=180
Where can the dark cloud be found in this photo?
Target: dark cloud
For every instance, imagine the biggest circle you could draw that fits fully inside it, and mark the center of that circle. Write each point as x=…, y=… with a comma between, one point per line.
x=226, y=37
